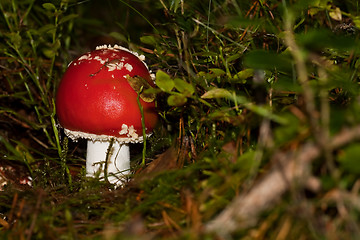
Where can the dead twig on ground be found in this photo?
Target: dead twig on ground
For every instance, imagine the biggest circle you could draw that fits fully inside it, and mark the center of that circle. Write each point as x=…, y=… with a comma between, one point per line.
x=292, y=167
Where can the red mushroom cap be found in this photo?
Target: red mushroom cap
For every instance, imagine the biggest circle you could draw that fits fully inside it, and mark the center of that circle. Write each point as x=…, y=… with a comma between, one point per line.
x=95, y=100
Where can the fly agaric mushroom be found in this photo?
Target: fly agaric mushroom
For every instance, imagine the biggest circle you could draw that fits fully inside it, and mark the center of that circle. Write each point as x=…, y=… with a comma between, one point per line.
x=97, y=99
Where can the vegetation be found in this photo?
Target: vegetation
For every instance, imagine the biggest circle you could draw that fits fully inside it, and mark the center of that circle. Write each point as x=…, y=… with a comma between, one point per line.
x=259, y=128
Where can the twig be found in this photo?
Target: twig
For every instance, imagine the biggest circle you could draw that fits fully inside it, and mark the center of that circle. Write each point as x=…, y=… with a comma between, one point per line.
x=292, y=168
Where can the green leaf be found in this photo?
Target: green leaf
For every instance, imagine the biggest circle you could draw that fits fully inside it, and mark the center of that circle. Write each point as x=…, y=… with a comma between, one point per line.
x=46, y=28
x=176, y=100
x=356, y=21
x=53, y=50
x=233, y=57
x=226, y=115
x=15, y=39
x=217, y=72
x=336, y=14
x=287, y=84
x=118, y=36
x=68, y=18
x=244, y=74
x=349, y=159
x=152, y=90
x=48, y=52
x=241, y=22
x=265, y=112
x=217, y=93
x=49, y=6
x=150, y=40
x=286, y=133
x=164, y=82
x=184, y=87
x=266, y=60
x=318, y=39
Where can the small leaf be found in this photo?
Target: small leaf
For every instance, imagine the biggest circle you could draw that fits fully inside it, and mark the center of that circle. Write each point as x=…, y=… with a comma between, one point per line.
x=225, y=115
x=48, y=52
x=313, y=11
x=244, y=74
x=184, y=87
x=15, y=39
x=68, y=18
x=265, y=112
x=52, y=50
x=164, y=82
x=150, y=40
x=322, y=38
x=217, y=93
x=118, y=36
x=217, y=71
x=139, y=85
x=336, y=14
x=152, y=90
x=349, y=159
x=356, y=21
x=287, y=84
x=284, y=134
x=176, y=100
x=241, y=22
x=265, y=60
x=233, y=57
x=46, y=28
x=49, y=6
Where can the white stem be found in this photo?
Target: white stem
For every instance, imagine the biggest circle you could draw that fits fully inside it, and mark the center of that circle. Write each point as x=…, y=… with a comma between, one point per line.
x=118, y=164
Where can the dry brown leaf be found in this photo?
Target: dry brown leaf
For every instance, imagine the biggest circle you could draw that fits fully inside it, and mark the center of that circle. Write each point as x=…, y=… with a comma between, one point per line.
x=165, y=161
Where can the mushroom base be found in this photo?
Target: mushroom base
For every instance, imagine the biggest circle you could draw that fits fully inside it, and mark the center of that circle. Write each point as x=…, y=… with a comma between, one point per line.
x=118, y=165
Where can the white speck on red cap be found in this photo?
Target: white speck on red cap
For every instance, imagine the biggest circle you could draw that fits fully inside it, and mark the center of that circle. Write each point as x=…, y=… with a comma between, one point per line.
x=141, y=57
x=115, y=66
x=128, y=67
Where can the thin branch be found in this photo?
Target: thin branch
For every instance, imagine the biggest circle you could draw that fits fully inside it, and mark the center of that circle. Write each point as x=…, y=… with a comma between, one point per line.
x=292, y=167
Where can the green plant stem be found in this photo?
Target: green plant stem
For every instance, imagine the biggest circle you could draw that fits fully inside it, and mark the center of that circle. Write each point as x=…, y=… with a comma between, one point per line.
x=302, y=73
x=48, y=84
x=143, y=127
x=62, y=151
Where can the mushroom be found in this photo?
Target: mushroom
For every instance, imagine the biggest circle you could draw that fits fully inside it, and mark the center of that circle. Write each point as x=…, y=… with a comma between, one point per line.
x=96, y=100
